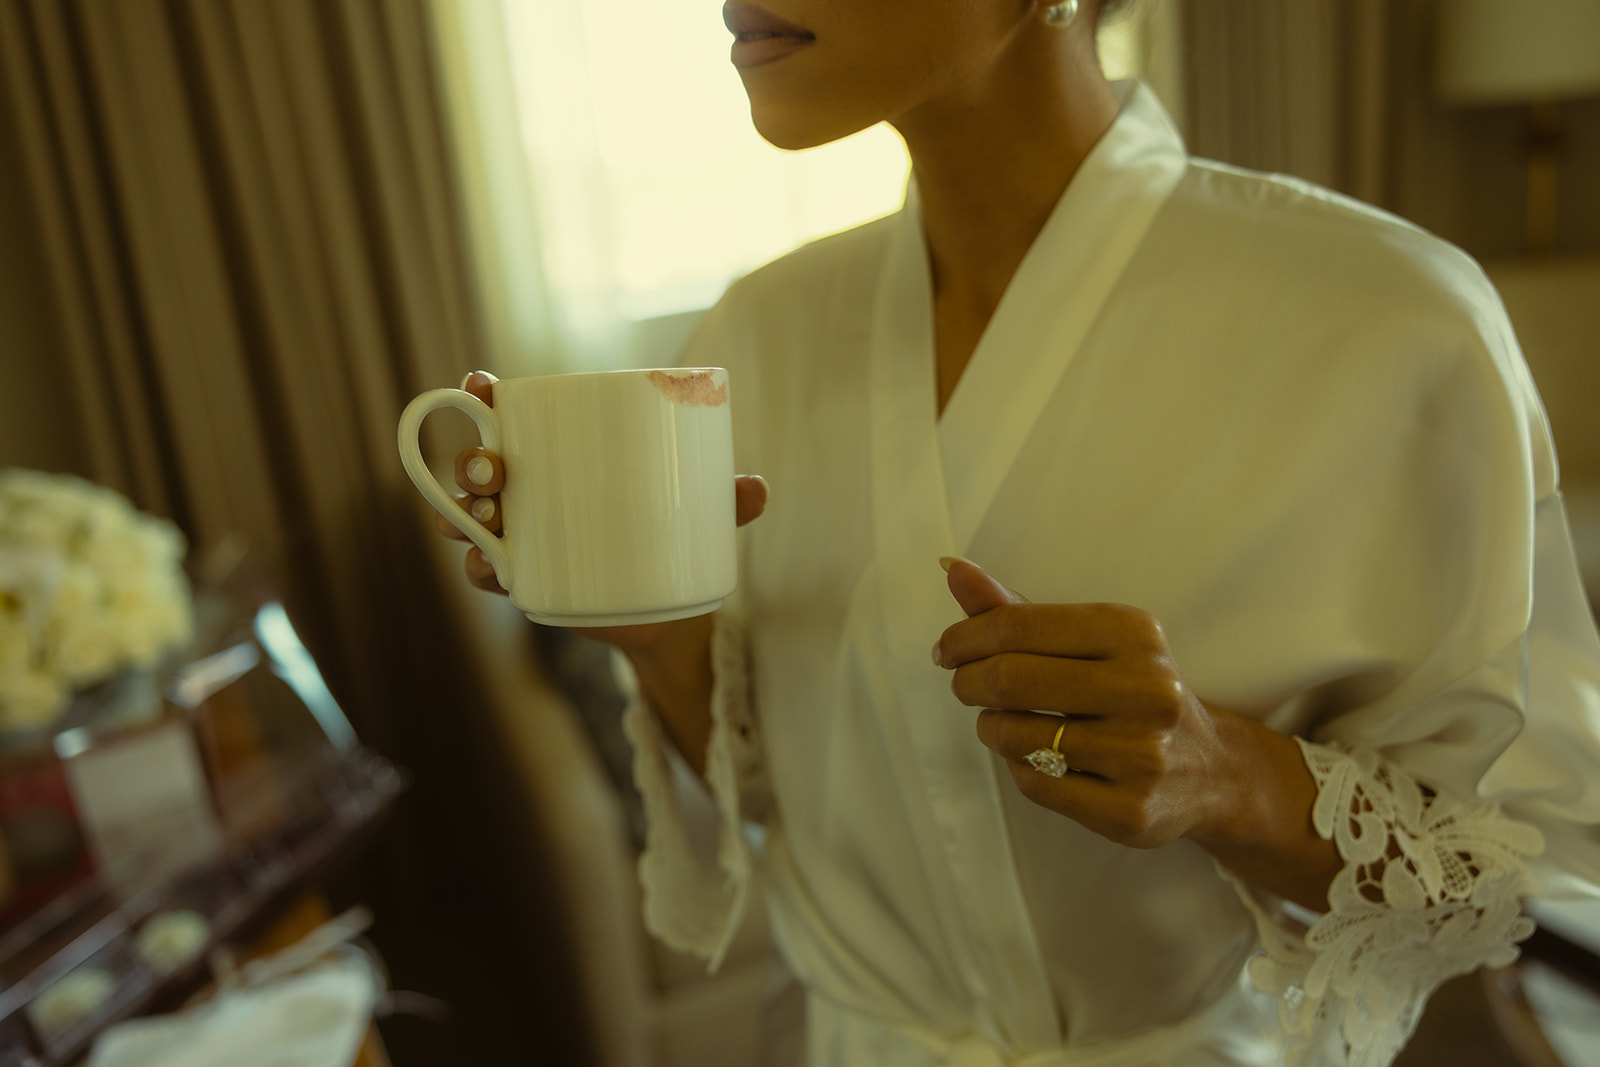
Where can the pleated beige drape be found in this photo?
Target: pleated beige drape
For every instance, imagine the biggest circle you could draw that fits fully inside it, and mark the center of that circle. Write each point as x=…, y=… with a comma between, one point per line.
x=1343, y=92
x=251, y=234
x=1302, y=87
x=251, y=231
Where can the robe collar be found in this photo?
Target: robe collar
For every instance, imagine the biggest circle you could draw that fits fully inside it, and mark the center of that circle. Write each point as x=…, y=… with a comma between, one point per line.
x=932, y=482
x=1047, y=308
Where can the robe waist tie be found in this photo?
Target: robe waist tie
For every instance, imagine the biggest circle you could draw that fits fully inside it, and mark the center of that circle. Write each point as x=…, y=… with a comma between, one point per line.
x=1233, y=1025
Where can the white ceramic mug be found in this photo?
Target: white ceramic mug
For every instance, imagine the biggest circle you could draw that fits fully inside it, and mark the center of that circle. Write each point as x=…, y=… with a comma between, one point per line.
x=618, y=503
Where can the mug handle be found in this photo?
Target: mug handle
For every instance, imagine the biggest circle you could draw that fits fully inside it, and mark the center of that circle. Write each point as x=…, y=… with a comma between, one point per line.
x=488, y=424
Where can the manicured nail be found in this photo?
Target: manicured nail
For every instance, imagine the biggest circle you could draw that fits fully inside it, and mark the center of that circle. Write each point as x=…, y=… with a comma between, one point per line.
x=483, y=509
x=938, y=657
x=465, y=379
x=481, y=471
x=946, y=561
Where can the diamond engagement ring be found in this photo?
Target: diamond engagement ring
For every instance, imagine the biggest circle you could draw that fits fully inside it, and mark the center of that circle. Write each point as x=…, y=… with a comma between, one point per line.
x=1050, y=760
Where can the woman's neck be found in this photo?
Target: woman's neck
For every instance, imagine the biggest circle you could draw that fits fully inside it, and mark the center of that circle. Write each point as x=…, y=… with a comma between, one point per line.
x=992, y=160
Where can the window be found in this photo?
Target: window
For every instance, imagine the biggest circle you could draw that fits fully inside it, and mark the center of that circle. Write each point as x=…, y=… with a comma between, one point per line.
x=650, y=188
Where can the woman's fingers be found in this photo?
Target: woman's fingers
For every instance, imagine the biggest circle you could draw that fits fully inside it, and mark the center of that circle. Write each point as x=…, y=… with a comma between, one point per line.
x=480, y=471
x=481, y=475
x=1098, y=805
x=480, y=383
x=1129, y=786
x=486, y=509
x=749, y=496
x=480, y=572
x=1085, y=744
x=1019, y=681
x=1079, y=631
x=445, y=527
x=1105, y=748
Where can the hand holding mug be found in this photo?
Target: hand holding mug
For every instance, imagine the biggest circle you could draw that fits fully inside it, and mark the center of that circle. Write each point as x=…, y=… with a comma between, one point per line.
x=597, y=498
x=750, y=496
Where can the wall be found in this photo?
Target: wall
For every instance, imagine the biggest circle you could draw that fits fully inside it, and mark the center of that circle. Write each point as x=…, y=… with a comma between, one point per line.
x=1555, y=307
x=37, y=419
x=1462, y=172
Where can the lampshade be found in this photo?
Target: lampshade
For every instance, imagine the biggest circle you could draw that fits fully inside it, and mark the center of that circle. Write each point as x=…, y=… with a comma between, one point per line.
x=1514, y=51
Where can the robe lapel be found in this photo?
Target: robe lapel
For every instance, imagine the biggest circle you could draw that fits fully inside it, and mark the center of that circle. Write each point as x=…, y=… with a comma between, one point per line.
x=981, y=905
x=1052, y=301
x=932, y=483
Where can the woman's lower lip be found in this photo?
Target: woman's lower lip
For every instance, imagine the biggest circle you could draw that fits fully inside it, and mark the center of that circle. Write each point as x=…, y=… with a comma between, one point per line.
x=765, y=50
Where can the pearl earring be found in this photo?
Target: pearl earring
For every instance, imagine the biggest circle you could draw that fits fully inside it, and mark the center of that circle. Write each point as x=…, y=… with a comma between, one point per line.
x=1061, y=15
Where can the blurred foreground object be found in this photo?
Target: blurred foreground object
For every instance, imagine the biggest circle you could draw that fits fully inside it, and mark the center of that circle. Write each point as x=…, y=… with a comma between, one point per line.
x=1538, y=53
x=308, y=1004
x=143, y=848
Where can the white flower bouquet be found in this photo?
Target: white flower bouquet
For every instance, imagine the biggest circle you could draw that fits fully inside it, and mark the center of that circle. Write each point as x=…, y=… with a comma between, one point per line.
x=89, y=588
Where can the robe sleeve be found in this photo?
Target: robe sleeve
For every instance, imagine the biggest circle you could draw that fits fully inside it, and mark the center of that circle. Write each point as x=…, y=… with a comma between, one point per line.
x=1432, y=887
x=696, y=897
x=1451, y=804
x=700, y=864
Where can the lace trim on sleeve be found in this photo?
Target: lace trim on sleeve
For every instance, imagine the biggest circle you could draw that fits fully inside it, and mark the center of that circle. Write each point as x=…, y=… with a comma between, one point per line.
x=1430, y=889
x=692, y=903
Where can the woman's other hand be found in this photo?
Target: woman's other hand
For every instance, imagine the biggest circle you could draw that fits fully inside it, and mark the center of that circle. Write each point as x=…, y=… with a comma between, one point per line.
x=1143, y=749
x=1150, y=761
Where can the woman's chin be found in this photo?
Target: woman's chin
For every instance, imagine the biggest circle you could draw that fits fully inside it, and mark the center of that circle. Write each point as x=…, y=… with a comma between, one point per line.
x=782, y=128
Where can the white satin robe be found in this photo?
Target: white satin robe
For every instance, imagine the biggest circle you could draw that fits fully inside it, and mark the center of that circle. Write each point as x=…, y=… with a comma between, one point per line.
x=1296, y=430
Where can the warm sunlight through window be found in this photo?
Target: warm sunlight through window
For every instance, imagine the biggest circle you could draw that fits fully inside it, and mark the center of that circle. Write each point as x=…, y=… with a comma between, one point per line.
x=657, y=188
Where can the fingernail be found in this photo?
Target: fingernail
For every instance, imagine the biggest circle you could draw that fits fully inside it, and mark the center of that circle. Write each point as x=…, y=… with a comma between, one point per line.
x=481, y=471
x=762, y=480
x=946, y=561
x=483, y=509
x=465, y=379
x=938, y=657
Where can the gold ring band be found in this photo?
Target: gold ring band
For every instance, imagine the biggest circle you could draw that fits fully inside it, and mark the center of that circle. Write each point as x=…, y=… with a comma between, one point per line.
x=1050, y=760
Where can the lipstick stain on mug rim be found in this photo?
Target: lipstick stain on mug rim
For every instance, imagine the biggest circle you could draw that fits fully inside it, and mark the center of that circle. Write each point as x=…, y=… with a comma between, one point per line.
x=696, y=389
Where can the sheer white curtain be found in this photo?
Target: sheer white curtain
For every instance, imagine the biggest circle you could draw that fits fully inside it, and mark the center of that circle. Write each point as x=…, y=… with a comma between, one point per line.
x=522, y=333
x=614, y=177
x=615, y=184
